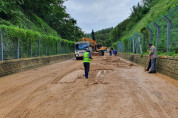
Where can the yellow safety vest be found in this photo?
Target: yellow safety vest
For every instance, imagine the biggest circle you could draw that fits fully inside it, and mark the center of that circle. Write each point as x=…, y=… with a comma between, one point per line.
x=86, y=58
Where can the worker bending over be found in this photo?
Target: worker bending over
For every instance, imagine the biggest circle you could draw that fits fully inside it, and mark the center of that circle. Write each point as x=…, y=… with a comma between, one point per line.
x=152, y=56
x=86, y=62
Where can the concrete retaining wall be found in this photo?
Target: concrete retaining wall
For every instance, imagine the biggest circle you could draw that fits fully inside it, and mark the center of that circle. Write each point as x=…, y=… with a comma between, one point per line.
x=13, y=66
x=167, y=66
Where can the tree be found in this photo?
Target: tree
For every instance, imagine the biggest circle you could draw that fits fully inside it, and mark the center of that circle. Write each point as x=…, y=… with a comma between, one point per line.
x=50, y=11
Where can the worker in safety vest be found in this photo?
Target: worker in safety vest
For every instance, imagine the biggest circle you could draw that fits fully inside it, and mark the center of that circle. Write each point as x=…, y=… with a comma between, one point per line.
x=86, y=62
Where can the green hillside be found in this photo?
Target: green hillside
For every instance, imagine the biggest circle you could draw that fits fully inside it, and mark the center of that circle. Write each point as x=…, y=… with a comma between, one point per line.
x=134, y=24
x=102, y=36
x=32, y=28
x=32, y=23
x=160, y=8
x=44, y=16
x=143, y=15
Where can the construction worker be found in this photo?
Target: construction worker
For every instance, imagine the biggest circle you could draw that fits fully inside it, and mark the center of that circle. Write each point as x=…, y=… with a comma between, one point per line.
x=152, y=55
x=110, y=51
x=86, y=62
x=115, y=52
x=102, y=53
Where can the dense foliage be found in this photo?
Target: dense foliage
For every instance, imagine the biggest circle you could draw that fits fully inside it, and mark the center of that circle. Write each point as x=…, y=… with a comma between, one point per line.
x=45, y=16
x=140, y=17
x=122, y=29
x=102, y=36
x=113, y=35
x=29, y=43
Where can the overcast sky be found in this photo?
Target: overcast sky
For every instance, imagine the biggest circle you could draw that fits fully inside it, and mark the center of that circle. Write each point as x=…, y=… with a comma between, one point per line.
x=99, y=14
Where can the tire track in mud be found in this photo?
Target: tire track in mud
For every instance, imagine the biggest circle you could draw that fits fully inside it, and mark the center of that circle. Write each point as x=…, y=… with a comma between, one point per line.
x=142, y=104
x=48, y=98
x=71, y=93
x=25, y=75
x=22, y=108
x=155, y=95
x=51, y=77
x=116, y=88
x=159, y=103
x=15, y=89
x=23, y=105
x=147, y=102
x=57, y=79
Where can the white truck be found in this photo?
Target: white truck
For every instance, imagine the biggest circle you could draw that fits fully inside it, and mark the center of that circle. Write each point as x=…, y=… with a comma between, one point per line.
x=80, y=48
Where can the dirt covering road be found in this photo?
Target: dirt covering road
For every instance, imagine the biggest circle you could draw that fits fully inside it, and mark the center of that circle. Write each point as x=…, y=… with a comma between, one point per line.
x=116, y=89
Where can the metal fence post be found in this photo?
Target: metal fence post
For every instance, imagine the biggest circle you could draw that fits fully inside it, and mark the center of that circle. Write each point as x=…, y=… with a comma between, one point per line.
x=69, y=49
x=38, y=47
x=143, y=45
x=157, y=34
x=56, y=48
x=133, y=45
x=18, y=49
x=46, y=51
x=130, y=45
x=168, y=32
x=30, y=48
x=1, y=49
x=136, y=46
x=150, y=34
x=60, y=47
x=65, y=48
x=62, y=50
x=51, y=49
x=139, y=43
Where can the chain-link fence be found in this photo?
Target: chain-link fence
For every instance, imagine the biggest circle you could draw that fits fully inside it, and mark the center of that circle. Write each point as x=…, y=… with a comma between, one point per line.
x=162, y=33
x=15, y=47
x=120, y=46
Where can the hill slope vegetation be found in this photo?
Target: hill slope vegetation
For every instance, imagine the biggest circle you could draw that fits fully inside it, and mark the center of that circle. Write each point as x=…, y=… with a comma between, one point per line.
x=44, y=16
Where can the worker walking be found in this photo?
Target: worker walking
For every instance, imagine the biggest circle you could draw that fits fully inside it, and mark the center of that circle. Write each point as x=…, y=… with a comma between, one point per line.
x=110, y=51
x=86, y=62
x=152, y=56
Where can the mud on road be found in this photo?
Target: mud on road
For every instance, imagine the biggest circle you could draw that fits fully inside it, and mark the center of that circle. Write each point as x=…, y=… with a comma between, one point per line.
x=116, y=89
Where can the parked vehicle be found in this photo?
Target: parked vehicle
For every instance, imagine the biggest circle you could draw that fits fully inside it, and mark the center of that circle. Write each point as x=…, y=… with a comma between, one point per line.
x=81, y=47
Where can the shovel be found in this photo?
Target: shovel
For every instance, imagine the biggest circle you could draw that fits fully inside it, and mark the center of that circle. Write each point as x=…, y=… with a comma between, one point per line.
x=147, y=62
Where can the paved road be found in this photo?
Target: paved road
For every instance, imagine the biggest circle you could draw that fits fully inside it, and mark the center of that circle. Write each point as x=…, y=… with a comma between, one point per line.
x=116, y=89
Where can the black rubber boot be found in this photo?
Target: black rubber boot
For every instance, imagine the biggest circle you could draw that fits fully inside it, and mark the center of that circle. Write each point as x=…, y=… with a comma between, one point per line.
x=152, y=72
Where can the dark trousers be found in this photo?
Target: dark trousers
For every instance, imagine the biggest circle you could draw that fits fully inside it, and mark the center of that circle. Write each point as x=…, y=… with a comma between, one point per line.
x=116, y=54
x=152, y=65
x=102, y=53
x=87, y=69
x=110, y=53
